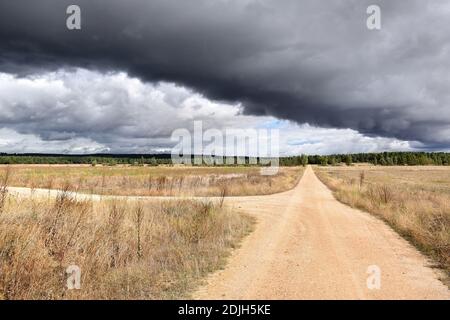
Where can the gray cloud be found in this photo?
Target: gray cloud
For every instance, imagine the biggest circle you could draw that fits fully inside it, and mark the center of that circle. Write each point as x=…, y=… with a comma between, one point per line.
x=307, y=61
x=82, y=111
x=107, y=108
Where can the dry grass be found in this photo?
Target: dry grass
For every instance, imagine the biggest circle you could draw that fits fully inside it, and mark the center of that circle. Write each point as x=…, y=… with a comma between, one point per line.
x=134, y=250
x=4, y=180
x=156, y=181
x=415, y=201
x=125, y=250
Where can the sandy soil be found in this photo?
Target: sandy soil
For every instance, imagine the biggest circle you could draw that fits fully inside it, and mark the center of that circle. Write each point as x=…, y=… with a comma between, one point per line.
x=307, y=245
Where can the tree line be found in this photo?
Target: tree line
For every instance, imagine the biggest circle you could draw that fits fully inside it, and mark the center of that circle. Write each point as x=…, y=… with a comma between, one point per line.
x=382, y=159
x=100, y=159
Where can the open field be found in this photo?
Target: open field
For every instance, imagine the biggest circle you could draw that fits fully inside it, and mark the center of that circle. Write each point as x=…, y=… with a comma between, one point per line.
x=304, y=245
x=125, y=250
x=154, y=181
x=415, y=201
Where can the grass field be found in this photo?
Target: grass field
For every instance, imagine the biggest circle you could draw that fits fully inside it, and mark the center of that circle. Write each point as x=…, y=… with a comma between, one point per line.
x=154, y=181
x=125, y=249
x=415, y=201
x=134, y=250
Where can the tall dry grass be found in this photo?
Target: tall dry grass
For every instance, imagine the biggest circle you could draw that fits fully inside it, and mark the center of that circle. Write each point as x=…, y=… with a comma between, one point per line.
x=155, y=181
x=4, y=180
x=125, y=250
x=420, y=214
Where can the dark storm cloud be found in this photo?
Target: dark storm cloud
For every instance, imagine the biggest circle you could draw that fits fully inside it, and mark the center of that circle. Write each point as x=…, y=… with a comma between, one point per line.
x=308, y=61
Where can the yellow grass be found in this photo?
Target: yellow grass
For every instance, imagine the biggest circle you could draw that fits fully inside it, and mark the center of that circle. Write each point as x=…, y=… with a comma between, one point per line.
x=415, y=201
x=125, y=250
x=155, y=181
x=134, y=250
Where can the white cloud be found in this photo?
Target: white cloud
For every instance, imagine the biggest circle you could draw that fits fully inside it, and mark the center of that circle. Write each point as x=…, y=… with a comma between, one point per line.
x=298, y=139
x=13, y=142
x=82, y=111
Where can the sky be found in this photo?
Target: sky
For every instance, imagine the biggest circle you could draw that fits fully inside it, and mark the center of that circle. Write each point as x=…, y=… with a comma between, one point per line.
x=138, y=70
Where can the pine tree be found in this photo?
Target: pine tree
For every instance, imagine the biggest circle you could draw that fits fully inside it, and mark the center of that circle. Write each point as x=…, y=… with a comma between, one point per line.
x=304, y=160
x=348, y=160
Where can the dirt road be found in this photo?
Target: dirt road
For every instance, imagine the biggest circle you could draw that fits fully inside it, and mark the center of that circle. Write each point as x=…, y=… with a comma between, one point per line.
x=307, y=245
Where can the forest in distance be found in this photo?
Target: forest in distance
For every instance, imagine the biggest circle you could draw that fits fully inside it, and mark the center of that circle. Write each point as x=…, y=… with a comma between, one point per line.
x=383, y=159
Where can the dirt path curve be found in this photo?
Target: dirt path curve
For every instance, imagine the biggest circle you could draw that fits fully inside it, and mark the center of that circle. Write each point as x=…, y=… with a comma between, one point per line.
x=307, y=245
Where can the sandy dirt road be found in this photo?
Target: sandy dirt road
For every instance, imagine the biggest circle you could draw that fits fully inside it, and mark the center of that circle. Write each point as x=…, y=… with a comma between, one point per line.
x=307, y=245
